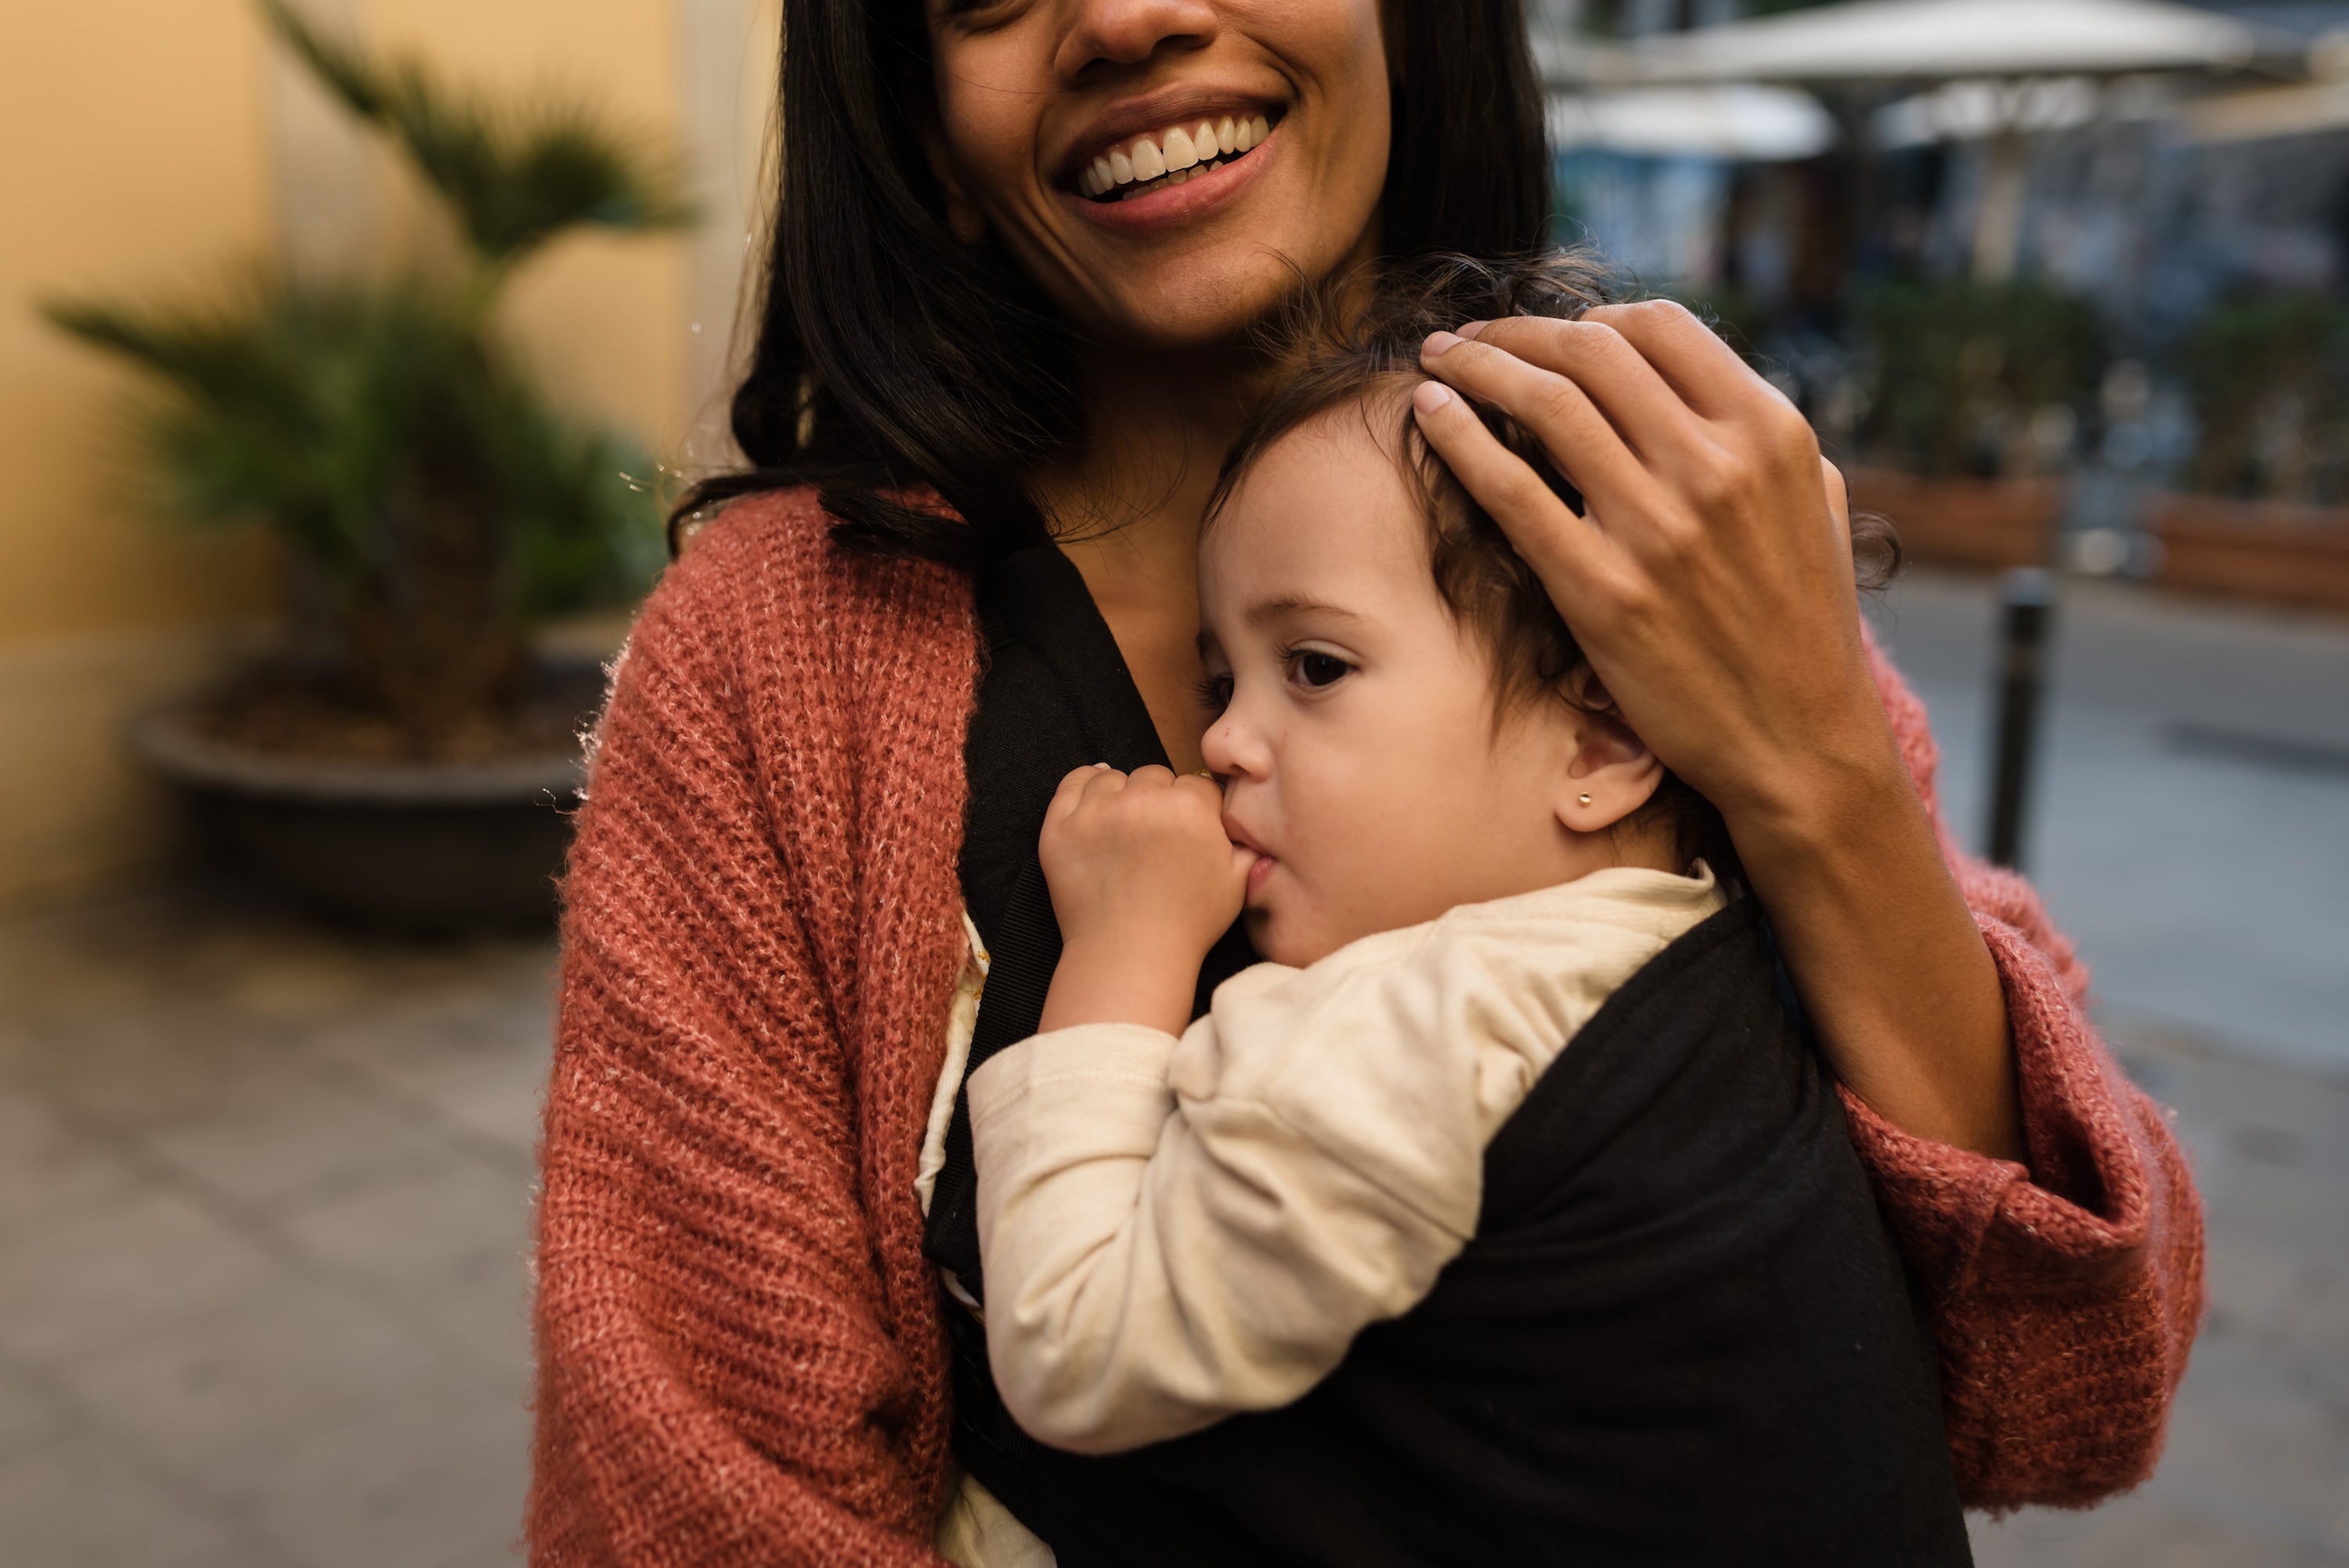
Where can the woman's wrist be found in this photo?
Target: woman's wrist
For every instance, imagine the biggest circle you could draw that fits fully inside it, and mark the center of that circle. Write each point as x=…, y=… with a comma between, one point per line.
x=1888, y=959
x=1799, y=793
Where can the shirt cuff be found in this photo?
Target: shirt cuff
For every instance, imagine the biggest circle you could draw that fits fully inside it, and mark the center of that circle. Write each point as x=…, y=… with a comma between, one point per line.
x=1128, y=1055
x=2081, y=1209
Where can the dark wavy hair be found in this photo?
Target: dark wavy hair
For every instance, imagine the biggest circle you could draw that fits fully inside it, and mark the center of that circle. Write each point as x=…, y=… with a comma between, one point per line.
x=893, y=358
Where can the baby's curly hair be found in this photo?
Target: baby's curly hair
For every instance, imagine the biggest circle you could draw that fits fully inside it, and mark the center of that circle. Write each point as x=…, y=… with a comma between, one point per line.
x=1357, y=345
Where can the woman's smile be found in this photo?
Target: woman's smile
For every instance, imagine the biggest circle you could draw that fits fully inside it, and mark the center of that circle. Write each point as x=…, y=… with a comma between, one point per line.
x=1164, y=172
x=1174, y=195
x=1113, y=164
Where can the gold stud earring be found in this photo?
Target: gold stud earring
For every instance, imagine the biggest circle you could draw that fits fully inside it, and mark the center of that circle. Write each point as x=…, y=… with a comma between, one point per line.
x=1585, y=797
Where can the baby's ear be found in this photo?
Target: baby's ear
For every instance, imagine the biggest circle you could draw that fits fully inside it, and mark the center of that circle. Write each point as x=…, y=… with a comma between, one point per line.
x=1612, y=773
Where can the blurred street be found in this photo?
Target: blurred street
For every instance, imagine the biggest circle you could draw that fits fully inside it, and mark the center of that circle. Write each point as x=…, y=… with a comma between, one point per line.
x=264, y=1191
x=2190, y=829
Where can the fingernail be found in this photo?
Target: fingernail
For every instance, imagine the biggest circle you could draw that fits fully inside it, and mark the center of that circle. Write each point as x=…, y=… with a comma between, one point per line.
x=1430, y=396
x=1473, y=328
x=1437, y=342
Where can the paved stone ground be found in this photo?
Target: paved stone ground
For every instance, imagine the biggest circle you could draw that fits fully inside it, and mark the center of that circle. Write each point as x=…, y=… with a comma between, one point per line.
x=263, y=1188
x=263, y=1204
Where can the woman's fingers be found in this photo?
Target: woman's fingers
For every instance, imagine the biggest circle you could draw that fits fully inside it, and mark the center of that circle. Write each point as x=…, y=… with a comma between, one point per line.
x=1564, y=549
x=1709, y=376
x=1580, y=439
x=1646, y=410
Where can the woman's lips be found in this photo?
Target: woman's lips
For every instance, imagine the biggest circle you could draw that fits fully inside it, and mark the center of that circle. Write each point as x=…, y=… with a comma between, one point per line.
x=1120, y=169
x=1175, y=205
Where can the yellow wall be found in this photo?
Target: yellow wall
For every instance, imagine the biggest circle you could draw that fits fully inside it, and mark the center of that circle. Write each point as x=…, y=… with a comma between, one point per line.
x=599, y=315
x=143, y=147
x=133, y=155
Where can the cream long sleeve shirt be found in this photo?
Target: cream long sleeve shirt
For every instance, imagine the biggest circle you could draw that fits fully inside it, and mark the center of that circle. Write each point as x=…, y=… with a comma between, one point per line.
x=1176, y=1230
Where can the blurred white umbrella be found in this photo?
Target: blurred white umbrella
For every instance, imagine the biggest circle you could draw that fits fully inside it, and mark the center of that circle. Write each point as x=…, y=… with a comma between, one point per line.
x=1936, y=40
x=1863, y=44
x=1740, y=121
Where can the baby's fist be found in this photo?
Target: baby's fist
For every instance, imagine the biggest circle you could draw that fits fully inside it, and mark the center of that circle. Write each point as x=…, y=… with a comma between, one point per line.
x=1139, y=861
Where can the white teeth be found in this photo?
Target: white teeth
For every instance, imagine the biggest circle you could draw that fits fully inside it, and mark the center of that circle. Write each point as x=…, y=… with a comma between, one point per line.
x=1194, y=149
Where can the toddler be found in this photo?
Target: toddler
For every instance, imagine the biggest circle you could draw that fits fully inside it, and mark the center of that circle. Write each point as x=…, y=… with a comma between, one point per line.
x=1505, y=1212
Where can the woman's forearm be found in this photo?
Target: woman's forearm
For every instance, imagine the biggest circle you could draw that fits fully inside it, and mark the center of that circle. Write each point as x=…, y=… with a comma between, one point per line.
x=1887, y=957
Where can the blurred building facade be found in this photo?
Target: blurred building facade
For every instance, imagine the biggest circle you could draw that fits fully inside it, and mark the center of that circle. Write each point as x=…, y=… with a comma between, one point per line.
x=2124, y=281
x=151, y=148
x=2125, y=198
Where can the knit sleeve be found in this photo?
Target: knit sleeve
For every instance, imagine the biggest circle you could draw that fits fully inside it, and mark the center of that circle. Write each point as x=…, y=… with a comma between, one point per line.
x=2065, y=1295
x=739, y=1357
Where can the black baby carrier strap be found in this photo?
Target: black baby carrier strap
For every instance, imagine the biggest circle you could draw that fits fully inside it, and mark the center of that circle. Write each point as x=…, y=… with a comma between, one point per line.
x=1680, y=1336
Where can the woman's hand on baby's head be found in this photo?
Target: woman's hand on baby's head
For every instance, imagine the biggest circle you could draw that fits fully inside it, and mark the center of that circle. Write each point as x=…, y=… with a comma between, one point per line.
x=1708, y=576
x=1139, y=861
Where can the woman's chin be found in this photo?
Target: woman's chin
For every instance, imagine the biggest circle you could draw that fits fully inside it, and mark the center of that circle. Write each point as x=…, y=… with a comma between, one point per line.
x=1187, y=292
x=1186, y=309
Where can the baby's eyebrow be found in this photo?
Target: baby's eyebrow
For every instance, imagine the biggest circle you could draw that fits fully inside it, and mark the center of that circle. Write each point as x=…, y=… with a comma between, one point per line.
x=1296, y=604
x=1264, y=610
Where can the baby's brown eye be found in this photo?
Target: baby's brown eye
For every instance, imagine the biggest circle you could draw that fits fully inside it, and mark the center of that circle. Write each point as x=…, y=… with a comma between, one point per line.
x=1322, y=669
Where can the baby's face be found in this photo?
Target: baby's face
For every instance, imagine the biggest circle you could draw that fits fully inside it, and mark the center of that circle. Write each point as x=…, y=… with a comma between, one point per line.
x=1356, y=736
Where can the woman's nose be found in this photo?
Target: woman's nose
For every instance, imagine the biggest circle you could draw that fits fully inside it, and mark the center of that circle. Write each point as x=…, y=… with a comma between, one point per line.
x=1129, y=32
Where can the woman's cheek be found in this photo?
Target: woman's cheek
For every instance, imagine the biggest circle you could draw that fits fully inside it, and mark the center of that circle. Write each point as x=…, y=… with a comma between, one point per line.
x=986, y=89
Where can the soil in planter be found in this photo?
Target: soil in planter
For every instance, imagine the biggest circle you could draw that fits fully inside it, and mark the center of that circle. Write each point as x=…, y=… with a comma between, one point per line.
x=285, y=712
x=285, y=779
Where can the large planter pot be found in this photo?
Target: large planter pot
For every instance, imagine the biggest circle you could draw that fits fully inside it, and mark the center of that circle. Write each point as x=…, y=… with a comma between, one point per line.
x=2252, y=550
x=425, y=848
x=1987, y=524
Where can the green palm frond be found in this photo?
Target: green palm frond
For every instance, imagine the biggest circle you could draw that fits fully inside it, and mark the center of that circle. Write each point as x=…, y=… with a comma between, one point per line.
x=293, y=401
x=318, y=407
x=516, y=177
x=379, y=423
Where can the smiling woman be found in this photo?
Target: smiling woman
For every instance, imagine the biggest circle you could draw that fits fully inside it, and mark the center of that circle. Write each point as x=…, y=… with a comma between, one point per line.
x=1001, y=352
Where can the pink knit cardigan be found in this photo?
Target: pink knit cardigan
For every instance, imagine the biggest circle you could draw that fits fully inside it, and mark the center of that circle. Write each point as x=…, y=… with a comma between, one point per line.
x=739, y=1354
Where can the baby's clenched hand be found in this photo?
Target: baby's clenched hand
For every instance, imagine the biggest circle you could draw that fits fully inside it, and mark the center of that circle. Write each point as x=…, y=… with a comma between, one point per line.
x=1144, y=882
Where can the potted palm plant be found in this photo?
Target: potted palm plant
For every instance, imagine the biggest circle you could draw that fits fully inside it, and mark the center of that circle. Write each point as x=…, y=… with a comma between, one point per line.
x=402, y=756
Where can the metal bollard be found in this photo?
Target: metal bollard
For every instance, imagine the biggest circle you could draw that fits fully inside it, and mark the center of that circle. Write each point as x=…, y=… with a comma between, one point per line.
x=2027, y=600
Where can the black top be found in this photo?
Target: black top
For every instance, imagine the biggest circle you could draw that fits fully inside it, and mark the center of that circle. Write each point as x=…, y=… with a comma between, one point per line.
x=1055, y=697
x=1681, y=1334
